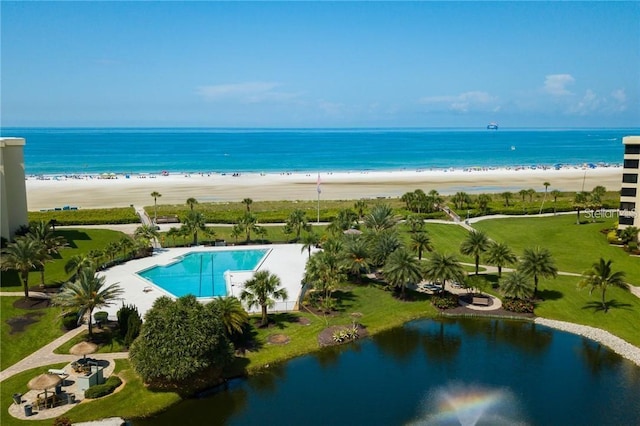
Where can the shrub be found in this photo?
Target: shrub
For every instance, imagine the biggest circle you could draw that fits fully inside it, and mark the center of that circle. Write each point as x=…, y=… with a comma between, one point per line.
x=446, y=301
x=343, y=335
x=104, y=389
x=62, y=421
x=70, y=320
x=518, y=305
x=101, y=316
x=128, y=316
x=612, y=237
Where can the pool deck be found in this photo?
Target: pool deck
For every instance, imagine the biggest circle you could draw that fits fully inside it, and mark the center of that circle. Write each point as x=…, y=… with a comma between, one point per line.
x=287, y=261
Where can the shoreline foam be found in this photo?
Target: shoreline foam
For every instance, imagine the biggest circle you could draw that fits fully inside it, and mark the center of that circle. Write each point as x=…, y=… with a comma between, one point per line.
x=118, y=190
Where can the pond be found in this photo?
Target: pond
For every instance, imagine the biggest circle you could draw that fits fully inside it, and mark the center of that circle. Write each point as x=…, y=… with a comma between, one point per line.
x=434, y=372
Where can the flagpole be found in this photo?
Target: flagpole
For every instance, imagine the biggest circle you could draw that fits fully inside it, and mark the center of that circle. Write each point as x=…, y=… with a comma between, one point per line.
x=318, y=189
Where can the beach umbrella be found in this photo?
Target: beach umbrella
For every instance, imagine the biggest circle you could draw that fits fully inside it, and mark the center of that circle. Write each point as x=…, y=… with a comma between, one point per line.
x=44, y=382
x=83, y=348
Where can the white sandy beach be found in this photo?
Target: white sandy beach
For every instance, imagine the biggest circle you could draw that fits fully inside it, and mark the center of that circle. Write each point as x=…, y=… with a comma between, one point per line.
x=94, y=192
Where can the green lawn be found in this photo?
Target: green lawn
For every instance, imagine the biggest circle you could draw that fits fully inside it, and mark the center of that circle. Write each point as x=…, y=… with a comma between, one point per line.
x=18, y=345
x=563, y=301
x=574, y=247
x=80, y=241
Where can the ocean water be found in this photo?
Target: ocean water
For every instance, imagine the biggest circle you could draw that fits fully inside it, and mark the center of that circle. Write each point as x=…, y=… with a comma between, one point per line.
x=190, y=150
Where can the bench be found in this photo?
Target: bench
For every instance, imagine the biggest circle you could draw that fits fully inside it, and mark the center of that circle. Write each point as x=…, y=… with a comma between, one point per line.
x=484, y=301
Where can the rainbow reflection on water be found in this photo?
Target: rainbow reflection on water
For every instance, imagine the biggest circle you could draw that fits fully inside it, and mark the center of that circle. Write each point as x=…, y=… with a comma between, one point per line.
x=469, y=405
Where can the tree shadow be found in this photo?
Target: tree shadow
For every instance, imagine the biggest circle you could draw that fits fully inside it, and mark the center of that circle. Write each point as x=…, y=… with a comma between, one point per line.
x=10, y=278
x=71, y=235
x=281, y=319
x=344, y=299
x=609, y=304
x=550, y=294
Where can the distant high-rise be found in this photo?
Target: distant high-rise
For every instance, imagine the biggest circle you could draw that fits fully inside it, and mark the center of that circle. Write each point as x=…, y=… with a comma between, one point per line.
x=13, y=197
x=630, y=192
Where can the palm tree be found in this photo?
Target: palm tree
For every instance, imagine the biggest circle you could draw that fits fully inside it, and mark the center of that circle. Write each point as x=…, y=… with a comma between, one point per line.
x=523, y=193
x=555, y=194
x=499, y=254
x=230, y=311
x=236, y=231
x=48, y=243
x=517, y=285
x=309, y=240
x=323, y=273
x=461, y=198
x=380, y=217
x=360, y=206
x=126, y=245
x=420, y=242
x=474, y=245
x=261, y=290
x=402, y=268
x=155, y=195
x=415, y=223
x=382, y=244
x=546, y=186
x=531, y=192
x=601, y=276
x=356, y=259
x=79, y=262
x=345, y=219
x=23, y=256
x=87, y=293
x=442, y=268
x=579, y=202
x=507, y=196
x=147, y=233
x=538, y=262
x=629, y=234
x=298, y=221
x=247, y=202
x=112, y=250
x=483, y=202
x=248, y=223
x=191, y=202
x=193, y=223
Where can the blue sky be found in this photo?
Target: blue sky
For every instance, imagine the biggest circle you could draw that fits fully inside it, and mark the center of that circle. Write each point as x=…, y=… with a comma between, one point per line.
x=310, y=64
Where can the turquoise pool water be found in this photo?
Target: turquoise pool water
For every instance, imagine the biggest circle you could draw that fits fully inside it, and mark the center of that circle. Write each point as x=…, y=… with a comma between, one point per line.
x=203, y=273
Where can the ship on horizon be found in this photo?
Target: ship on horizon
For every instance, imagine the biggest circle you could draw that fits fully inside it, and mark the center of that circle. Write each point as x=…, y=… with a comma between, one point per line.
x=492, y=126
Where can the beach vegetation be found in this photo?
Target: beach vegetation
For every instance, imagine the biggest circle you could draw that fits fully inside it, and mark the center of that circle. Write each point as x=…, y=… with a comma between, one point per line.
x=87, y=293
x=263, y=289
x=324, y=272
x=356, y=259
x=182, y=345
x=600, y=277
x=232, y=315
x=297, y=222
x=191, y=202
x=116, y=215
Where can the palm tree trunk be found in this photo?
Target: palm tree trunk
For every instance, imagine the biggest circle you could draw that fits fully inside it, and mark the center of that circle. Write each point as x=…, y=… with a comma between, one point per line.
x=604, y=304
x=477, y=263
x=535, y=288
x=25, y=284
x=42, y=277
x=265, y=321
x=499, y=271
x=90, y=324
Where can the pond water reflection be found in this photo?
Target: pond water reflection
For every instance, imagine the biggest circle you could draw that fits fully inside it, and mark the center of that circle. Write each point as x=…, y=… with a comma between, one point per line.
x=445, y=372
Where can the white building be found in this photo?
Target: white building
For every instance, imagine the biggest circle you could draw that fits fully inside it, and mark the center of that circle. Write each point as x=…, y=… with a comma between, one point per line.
x=630, y=192
x=13, y=192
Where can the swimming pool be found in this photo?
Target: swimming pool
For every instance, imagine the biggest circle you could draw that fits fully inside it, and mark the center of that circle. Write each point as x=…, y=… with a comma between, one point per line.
x=203, y=273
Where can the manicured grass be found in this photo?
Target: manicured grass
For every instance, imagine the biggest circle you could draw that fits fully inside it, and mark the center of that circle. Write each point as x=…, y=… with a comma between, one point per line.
x=87, y=216
x=80, y=241
x=574, y=247
x=18, y=345
x=447, y=239
x=565, y=302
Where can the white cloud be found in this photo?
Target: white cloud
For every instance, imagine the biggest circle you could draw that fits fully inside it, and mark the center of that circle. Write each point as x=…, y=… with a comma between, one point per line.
x=593, y=103
x=248, y=92
x=555, y=84
x=463, y=102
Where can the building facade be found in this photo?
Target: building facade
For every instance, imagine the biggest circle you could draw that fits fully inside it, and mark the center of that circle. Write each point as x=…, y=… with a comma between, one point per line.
x=13, y=197
x=630, y=191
